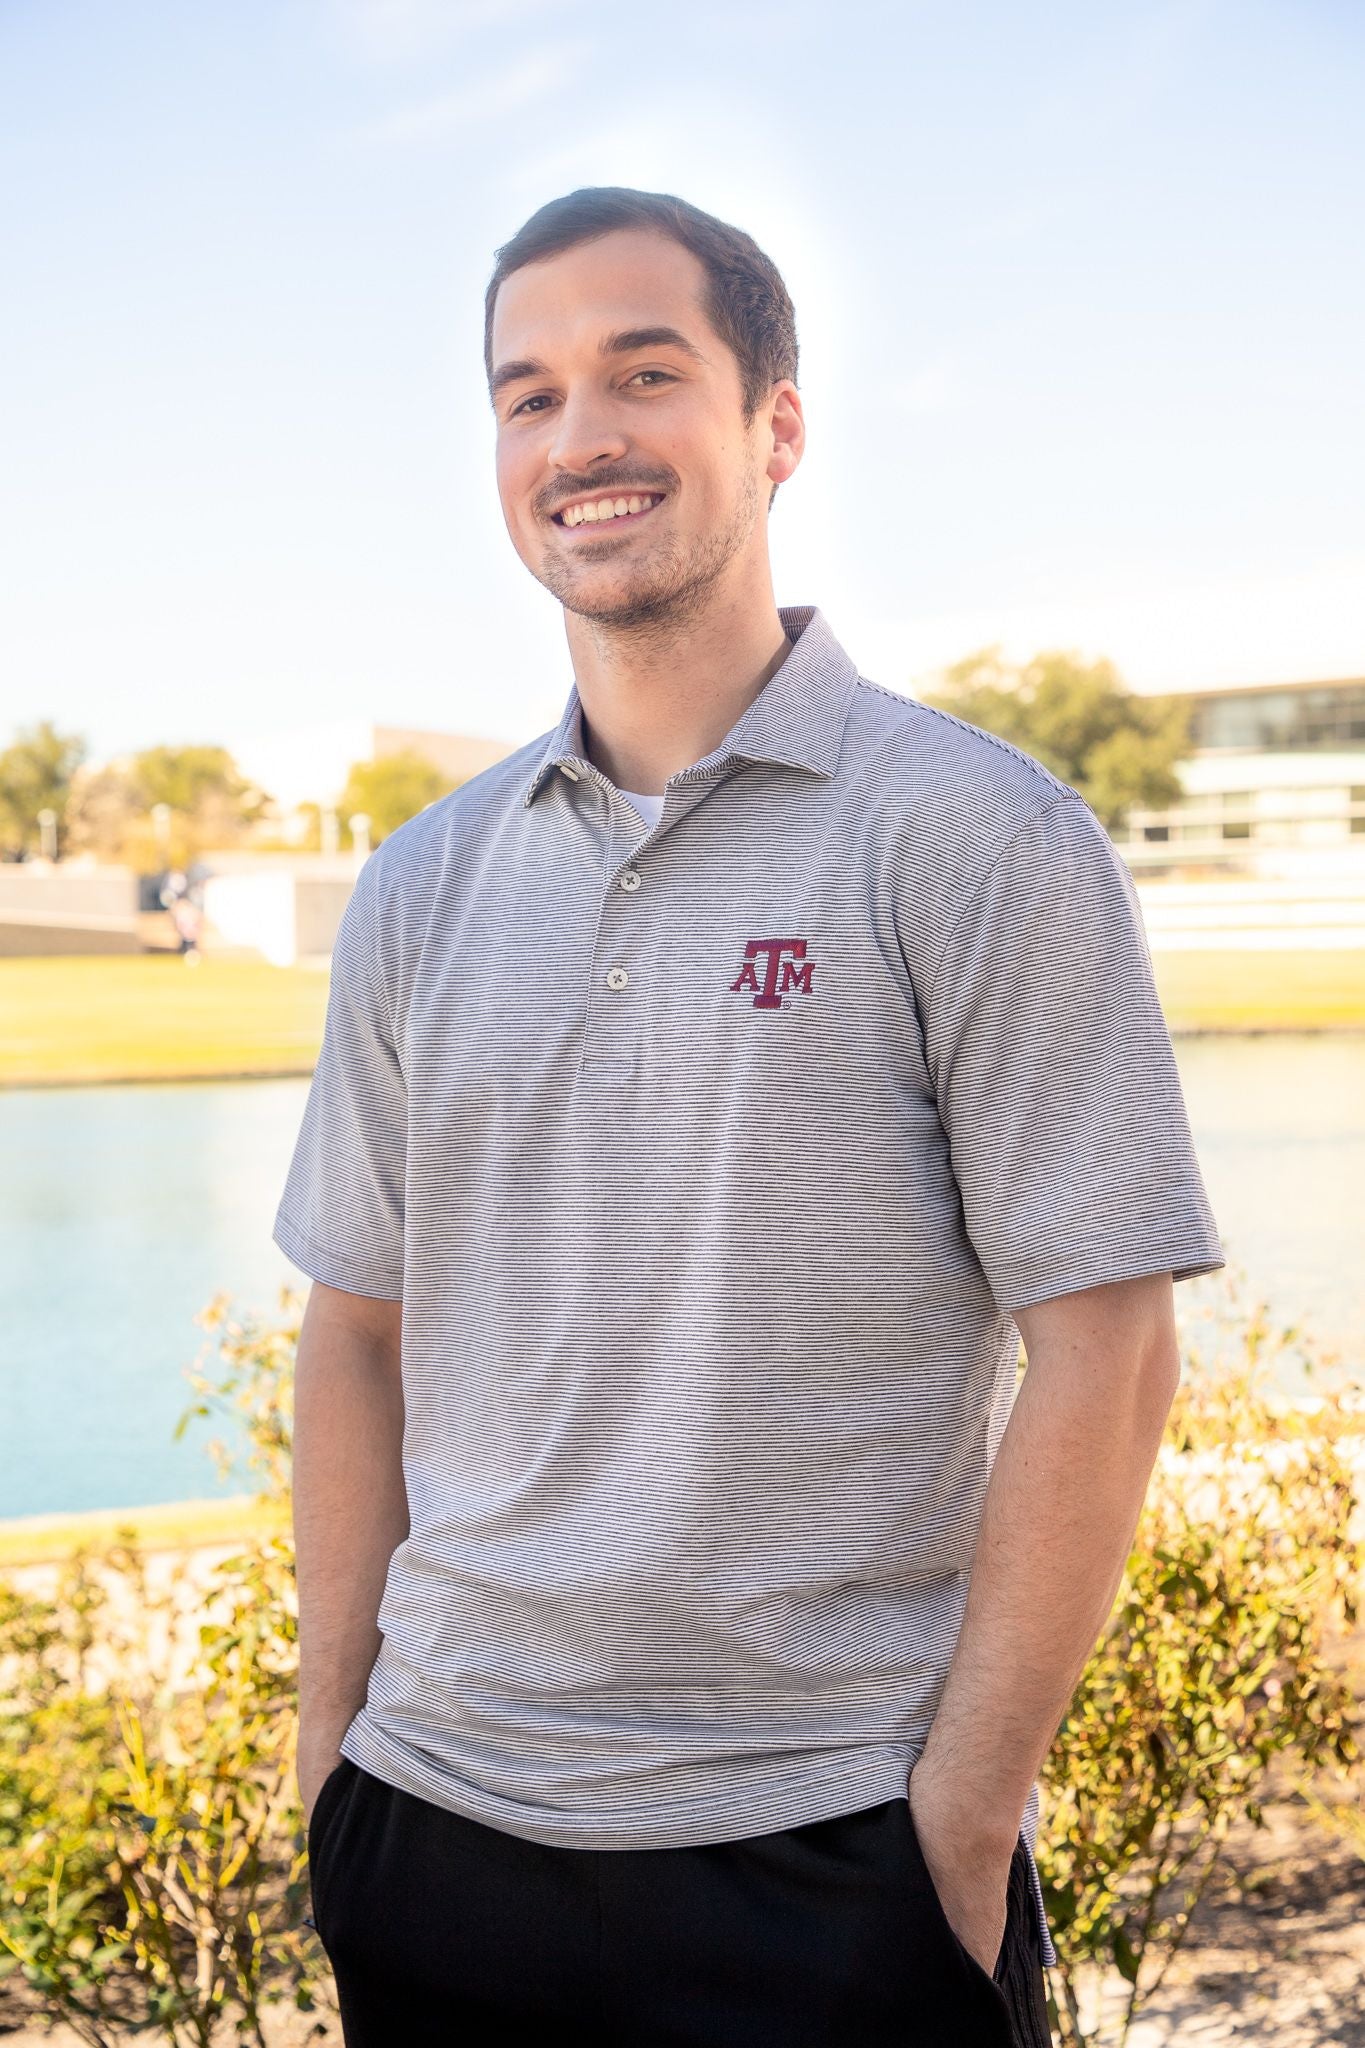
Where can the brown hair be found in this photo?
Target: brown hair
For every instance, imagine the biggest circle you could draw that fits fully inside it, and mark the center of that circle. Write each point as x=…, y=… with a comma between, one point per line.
x=746, y=302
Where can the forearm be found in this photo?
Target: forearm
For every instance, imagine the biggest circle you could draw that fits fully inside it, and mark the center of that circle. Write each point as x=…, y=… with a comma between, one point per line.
x=1061, y=1508
x=350, y=1506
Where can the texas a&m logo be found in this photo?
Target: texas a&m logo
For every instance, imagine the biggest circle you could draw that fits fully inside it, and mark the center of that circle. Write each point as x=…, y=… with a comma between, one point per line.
x=785, y=966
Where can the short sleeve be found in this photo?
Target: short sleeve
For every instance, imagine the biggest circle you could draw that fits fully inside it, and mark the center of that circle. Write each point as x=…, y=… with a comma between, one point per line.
x=340, y=1219
x=1056, y=1080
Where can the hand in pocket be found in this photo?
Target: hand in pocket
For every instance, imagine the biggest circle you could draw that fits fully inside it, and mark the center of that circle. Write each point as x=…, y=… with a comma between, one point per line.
x=970, y=1884
x=321, y=1801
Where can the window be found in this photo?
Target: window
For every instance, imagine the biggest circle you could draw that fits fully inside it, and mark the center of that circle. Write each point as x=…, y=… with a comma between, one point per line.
x=1274, y=720
x=1237, y=802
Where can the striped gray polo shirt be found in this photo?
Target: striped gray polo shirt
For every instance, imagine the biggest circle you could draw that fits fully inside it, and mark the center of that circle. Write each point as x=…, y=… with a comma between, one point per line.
x=709, y=1162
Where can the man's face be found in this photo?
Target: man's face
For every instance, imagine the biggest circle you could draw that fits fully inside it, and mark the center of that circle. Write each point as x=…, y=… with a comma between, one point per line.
x=628, y=477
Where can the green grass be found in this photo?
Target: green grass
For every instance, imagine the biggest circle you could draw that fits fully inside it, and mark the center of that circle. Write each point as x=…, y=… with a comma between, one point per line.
x=176, y=1525
x=1272, y=991
x=152, y=1017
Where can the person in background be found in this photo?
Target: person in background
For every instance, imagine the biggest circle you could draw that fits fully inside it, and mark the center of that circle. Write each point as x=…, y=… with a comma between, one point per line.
x=181, y=900
x=712, y=1095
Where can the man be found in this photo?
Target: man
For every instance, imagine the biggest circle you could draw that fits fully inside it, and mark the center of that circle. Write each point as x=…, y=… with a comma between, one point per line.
x=712, y=1094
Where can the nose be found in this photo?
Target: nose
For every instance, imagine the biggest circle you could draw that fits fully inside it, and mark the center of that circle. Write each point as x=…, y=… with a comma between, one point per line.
x=585, y=435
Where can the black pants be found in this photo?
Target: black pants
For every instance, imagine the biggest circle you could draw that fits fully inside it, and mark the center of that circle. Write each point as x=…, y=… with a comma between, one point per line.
x=446, y=1934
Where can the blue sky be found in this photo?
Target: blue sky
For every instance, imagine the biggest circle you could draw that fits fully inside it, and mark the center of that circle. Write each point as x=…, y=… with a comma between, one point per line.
x=1079, y=291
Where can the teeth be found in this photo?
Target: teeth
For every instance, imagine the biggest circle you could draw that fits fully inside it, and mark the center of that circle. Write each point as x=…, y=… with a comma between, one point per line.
x=607, y=508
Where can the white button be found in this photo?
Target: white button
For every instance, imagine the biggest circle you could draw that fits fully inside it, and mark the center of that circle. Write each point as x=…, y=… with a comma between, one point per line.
x=630, y=879
x=572, y=773
x=617, y=977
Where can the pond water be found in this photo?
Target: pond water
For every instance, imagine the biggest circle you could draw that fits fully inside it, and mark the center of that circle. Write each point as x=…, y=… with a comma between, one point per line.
x=125, y=1210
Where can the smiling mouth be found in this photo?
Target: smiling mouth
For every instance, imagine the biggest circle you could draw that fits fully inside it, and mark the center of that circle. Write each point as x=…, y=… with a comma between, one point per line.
x=618, y=512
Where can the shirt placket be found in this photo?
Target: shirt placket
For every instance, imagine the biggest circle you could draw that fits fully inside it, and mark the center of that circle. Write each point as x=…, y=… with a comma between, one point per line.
x=627, y=916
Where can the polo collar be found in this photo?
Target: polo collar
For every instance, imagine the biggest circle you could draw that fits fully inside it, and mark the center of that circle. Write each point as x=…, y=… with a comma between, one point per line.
x=796, y=720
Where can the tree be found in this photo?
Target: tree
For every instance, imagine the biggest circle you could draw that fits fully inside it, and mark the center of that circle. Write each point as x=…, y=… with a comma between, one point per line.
x=391, y=790
x=197, y=781
x=210, y=805
x=1079, y=719
x=103, y=816
x=35, y=775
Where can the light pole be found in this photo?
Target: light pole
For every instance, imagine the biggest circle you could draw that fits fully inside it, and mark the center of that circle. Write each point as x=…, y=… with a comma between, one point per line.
x=161, y=825
x=47, y=834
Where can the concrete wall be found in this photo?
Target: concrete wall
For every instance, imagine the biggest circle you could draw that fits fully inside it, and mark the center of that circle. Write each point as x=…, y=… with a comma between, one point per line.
x=67, y=909
x=286, y=910
x=318, y=904
x=1205, y=774
x=1308, y=913
x=253, y=910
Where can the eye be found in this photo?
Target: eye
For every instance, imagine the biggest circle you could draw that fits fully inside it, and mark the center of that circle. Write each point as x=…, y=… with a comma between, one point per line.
x=536, y=400
x=661, y=374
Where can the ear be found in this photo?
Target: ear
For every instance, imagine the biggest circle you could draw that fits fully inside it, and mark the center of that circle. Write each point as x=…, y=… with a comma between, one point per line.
x=786, y=432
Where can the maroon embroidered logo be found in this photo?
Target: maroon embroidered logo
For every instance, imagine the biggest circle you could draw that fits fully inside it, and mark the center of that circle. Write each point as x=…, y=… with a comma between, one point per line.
x=785, y=967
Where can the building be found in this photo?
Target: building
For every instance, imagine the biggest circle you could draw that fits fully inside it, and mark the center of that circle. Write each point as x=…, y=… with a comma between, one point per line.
x=287, y=907
x=309, y=764
x=282, y=906
x=1266, y=846
x=1275, y=784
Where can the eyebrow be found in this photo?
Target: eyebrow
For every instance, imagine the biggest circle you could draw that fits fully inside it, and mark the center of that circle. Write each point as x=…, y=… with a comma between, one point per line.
x=514, y=373
x=624, y=343
x=633, y=338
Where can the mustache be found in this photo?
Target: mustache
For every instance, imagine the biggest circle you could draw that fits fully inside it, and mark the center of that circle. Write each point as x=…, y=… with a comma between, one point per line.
x=614, y=483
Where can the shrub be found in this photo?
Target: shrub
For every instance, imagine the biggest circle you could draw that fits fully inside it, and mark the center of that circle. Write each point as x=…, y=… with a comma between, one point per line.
x=1216, y=1664
x=152, y=1851
x=209, y=1852
x=57, y=1888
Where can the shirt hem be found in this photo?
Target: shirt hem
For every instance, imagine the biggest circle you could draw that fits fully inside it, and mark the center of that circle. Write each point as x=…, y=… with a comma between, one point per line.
x=788, y=1797
x=792, y=1798
x=1182, y=1260
x=332, y=1271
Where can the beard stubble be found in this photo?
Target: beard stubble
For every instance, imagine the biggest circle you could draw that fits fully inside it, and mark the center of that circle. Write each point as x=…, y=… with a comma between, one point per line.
x=668, y=590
